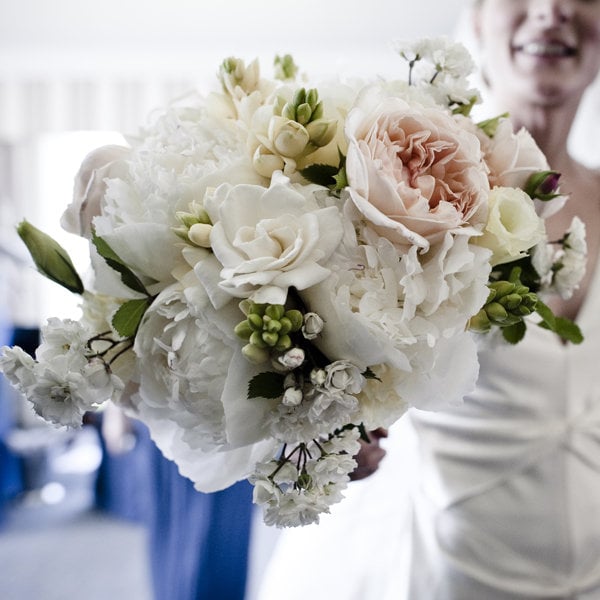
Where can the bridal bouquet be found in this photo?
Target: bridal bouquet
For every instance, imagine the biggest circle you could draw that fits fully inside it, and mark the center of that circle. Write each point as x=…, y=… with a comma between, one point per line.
x=278, y=268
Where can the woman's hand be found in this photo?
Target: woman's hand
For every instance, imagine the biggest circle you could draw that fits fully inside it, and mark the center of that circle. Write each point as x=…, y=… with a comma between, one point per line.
x=370, y=455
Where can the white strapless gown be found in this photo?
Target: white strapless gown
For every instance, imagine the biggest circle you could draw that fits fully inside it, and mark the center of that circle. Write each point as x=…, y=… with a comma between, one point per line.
x=509, y=501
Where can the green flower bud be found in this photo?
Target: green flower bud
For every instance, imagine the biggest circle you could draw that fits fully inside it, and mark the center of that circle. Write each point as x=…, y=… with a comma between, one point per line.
x=321, y=132
x=317, y=112
x=273, y=326
x=296, y=318
x=275, y=311
x=255, y=355
x=286, y=326
x=257, y=308
x=543, y=185
x=270, y=339
x=285, y=67
x=299, y=97
x=312, y=98
x=187, y=219
x=243, y=330
x=496, y=312
x=289, y=112
x=255, y=322
x=256, y=339
x=284, y=343
x=304, y=481
x=303, y=113
x=502, y=288
x=480, y=322
x=510, y=301
x=245, y=305
x=51, y=259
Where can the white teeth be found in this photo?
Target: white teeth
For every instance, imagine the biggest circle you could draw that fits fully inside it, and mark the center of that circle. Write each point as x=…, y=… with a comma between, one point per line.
x=546, y=49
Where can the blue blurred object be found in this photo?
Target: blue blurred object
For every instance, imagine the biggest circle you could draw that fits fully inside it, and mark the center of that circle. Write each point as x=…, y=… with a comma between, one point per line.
x=11, y=475
x=198, y=542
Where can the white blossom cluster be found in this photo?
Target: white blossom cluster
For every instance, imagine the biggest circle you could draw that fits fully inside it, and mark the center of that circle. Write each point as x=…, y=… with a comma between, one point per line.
x=66, y=378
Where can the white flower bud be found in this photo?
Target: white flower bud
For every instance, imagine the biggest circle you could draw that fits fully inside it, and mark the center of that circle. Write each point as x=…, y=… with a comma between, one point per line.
x=292, y=396
x=96, y=374
x=266, y=163
x=318, y=377
x=289, y=137
x=321, y=132
x=292, y=359
x=199, y=234
x=313, y=325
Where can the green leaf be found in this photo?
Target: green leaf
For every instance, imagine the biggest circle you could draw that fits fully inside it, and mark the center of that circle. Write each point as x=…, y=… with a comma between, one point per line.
x=368, y=374
x=128, y=317
x=341, y=180
x=320, y=174
x=128, y=277
x=50, y=258
x=565, y=328
x=568, y=330
x=513, y=334
x=547, y=315
x=490, y=126
x=266, y=385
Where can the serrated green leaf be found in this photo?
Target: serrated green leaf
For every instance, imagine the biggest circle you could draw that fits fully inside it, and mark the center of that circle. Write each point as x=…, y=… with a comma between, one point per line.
x=128, y=277
x=268, y=384
x=341, y=180
x=368, y=374
x=320, y=174
x=513, y=334
x=128, y=317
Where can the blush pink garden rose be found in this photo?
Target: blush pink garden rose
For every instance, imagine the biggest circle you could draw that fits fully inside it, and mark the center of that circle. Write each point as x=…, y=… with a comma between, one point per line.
x=413, y=171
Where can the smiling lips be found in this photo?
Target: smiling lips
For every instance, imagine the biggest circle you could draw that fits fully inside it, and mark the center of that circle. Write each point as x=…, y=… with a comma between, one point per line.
x=547, y=49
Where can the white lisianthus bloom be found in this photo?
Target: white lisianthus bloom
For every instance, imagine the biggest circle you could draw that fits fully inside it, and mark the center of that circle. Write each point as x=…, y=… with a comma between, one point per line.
x=270, y=239
x=513, y=225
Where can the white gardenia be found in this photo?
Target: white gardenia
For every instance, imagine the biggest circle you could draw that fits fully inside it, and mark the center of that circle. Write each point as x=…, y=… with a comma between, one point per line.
x=269, y=240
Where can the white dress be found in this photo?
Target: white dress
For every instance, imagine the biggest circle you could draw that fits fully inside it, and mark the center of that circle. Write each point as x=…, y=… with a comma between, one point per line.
x=508, y=505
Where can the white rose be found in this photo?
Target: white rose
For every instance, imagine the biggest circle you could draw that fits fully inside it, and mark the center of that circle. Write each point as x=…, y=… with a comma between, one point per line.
x=270, y=239
x=513, y=225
